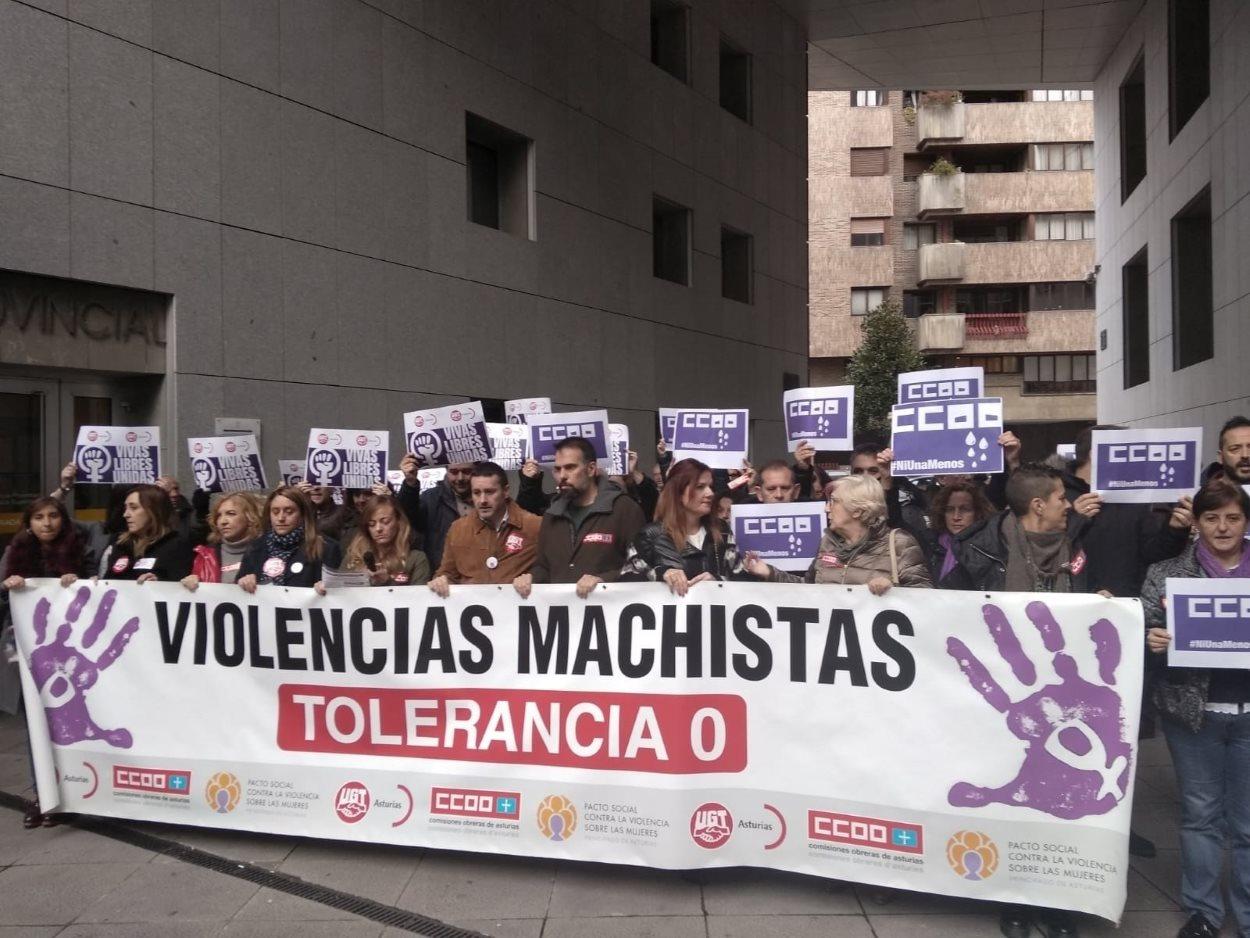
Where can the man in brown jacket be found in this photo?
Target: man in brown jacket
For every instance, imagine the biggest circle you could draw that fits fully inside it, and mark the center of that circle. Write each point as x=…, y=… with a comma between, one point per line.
x=496, y=543
x=587, y=531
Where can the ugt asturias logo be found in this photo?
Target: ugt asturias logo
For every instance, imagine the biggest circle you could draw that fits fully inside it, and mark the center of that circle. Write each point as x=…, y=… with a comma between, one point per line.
x=972, y=855
x=352, y=802
x=711, y=825
x=557, y=818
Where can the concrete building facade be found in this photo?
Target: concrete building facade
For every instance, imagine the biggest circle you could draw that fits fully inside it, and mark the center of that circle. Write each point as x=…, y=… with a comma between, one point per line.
x=1173, y=284
x=329, y=212
x=993, y=259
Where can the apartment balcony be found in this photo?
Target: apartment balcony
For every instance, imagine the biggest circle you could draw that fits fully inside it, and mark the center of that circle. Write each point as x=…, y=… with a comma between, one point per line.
x=940, y=332
x=941, y=123
x=1008, y=122
x=1028, y=261
x=996, y=326
x=941, y=195
x=941, y=263
x=1024, y=193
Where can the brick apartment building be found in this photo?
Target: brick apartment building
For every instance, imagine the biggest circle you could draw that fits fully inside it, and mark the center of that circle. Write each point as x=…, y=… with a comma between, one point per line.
x=993, y=258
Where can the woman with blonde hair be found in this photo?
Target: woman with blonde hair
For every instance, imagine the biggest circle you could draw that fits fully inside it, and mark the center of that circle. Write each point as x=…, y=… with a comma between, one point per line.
x=234, y=522
x=858, y=548
x=290, y=552
x=383, y=545
x=151, y=547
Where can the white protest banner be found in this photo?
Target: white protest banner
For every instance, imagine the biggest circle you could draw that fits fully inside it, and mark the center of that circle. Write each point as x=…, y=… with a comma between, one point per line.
x=343, y=579
x=618, y=434
x=1143, y=466
x=347, y=459
x=113, y=455
x=226, y=463
x=509, y=444
x=913, y=741
x=430, y=477
x=445, y=435
x=940, y=384
x=824, y=417
x=717, y=438
x=784, y=534
x=546, y=430
x=947, y=437
x=518, y=410
x=292, y=471
x=1210, y=622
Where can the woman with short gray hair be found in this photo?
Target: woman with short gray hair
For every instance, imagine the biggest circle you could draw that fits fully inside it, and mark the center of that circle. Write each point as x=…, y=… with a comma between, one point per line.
x=858, y=548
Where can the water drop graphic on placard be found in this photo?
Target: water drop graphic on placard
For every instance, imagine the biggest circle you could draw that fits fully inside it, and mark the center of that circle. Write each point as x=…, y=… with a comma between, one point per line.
x=983, y=444
x=971, y=438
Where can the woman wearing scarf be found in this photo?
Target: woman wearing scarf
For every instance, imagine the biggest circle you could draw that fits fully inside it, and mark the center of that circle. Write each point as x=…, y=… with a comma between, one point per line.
x=858, y=548
x=1206, y=719
x=957, y=506
x=290, y=552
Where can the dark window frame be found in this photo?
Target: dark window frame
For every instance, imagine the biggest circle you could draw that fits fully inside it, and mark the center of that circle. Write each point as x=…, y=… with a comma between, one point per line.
x=670, y=38
x=1133, y=148
x=1189, y=61
x=1193, y=286
x=670, y=240
x=1135, y=318
x=737, y=90
x=737, y=279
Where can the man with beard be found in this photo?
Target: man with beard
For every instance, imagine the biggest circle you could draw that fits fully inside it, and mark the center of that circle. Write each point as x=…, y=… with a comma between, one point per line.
x=587, y=531
x=1234, y=462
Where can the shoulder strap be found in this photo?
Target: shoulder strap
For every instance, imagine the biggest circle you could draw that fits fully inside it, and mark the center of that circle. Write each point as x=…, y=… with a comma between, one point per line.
x=893, y=558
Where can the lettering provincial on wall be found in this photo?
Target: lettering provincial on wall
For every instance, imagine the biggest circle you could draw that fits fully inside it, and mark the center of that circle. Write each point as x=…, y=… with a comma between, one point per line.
x=60, y=322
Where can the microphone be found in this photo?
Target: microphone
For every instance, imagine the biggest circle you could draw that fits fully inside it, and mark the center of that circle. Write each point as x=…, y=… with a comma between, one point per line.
x=370, y=561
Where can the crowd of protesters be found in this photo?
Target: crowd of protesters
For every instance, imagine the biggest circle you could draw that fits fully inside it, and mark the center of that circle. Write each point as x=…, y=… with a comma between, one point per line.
x=1032, y=528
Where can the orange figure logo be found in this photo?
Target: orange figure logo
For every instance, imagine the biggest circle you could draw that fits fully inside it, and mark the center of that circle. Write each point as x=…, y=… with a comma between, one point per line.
x=972, y=855
x=557, y=818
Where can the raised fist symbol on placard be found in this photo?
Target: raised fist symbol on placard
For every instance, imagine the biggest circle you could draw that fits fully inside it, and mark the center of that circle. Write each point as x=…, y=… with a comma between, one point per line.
x=1077, y=759
x=324, y=465
x=96, y=462
x=64, y=673
x=205, y=473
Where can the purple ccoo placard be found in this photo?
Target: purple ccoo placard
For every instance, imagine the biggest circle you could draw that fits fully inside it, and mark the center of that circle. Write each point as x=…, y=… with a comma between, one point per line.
x=1210, y=623
x=947, y=437
x=715, y=437
x=1148, y=465
x=784, y=535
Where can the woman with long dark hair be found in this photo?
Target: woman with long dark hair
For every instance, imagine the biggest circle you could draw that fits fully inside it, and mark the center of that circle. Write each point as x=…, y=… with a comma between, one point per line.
x=290, y=552
x=382, y=545
x=687, y=543
x=151, y=547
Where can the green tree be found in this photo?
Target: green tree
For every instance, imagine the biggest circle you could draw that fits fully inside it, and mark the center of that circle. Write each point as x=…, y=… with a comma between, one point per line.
x=887, y=351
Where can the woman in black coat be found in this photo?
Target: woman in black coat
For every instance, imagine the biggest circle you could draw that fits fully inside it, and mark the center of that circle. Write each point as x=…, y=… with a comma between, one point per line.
x=290, y=552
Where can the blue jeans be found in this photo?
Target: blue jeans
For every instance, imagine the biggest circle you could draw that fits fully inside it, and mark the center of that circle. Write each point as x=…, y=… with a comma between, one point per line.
x=1213, y=770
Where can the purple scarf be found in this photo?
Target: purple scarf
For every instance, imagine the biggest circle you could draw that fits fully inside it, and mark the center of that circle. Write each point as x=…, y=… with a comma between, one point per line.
x=949, y=561
x=1216, y=570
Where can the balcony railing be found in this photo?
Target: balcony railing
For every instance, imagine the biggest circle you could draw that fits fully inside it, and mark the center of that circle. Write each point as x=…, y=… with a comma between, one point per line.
x=941, y=195
x=940, y=332
x=941, y=262
x=996, y=325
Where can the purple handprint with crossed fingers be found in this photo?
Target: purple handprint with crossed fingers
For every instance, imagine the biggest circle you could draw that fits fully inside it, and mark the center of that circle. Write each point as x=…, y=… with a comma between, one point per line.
x=1077, y=760
x=64, y=673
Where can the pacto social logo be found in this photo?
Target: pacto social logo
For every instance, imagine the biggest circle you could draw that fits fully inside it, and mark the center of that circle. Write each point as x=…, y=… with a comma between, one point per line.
x=352, y=802
x=972, y=855
x=223, y=792
x=711, y=825
x=557, y=818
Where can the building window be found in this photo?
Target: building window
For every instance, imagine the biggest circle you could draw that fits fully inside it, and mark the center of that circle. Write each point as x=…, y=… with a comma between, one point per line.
x=869, y=98
x=990, y=300
x=1193, y=316
x=736, y=250
x=919, y=303
x=501, y=177
x=916, y=236
x=870, y=161
x=866, y=299
x=1066, y=294
x=1135, y=305
x=1189, y=60
x=670, y=241
x=1133, y=128
x=670, y=37
x=735, y=80
x=1055, y=94
x=1062, y=156
x=1059, y=374
x=979, y=231
x=1064, y=226
x=867, y=232
x=993, y=364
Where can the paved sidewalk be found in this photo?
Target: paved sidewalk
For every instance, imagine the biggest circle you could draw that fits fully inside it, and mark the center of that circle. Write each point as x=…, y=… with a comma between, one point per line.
x=66, y=881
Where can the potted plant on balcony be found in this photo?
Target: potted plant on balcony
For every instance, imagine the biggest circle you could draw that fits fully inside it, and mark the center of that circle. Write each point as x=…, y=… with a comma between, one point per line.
x=909, y=114
x=943, y=167
x=940, y=98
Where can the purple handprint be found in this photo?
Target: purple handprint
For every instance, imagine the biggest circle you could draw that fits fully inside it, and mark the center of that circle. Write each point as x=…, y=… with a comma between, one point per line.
x=63, y=673
x=1077, y=760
